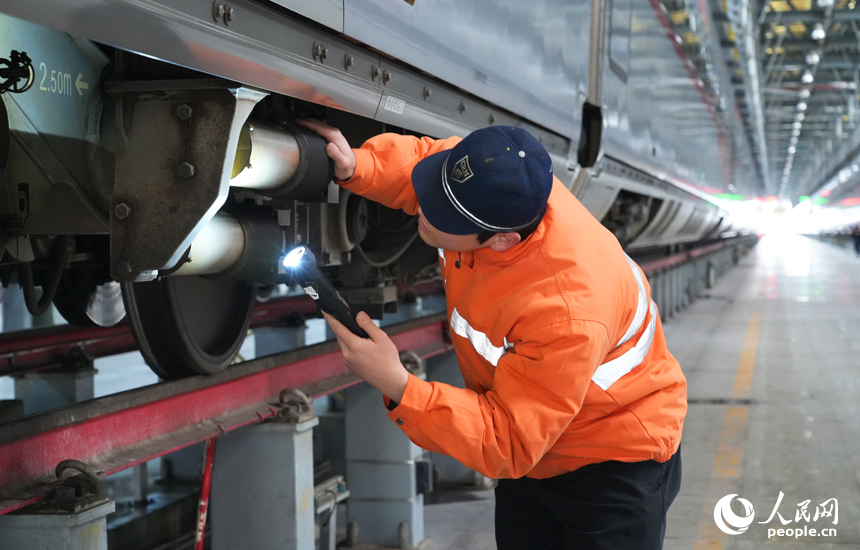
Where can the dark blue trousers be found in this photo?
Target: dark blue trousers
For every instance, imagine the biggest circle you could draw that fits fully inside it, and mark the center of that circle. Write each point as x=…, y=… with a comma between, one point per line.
x=611, y=505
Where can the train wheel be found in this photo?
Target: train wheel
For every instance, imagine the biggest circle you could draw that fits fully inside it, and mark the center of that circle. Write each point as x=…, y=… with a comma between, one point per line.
x=85, y=300
x=189, y=325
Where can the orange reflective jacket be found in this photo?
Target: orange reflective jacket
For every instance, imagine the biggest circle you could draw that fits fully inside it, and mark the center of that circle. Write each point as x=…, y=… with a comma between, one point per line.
x=557, y=338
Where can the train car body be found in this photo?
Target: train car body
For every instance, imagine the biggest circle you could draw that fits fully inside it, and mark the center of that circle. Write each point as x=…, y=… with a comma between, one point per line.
x=157, y=136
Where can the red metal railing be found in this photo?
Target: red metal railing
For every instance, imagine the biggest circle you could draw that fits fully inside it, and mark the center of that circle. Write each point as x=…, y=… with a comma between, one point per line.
x=123, y=430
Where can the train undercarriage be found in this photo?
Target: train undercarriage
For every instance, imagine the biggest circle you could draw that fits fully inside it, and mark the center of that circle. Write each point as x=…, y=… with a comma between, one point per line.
x=162, y=187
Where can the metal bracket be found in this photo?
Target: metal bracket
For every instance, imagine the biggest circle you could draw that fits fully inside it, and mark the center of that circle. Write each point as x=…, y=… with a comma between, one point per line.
x=76, y=493
x=296, y=407
x=173, y=166
x=78, y=360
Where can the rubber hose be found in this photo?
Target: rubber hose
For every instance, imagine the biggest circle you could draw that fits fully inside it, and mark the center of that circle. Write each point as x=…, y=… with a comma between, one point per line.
x=390, y=260
x=25, y=277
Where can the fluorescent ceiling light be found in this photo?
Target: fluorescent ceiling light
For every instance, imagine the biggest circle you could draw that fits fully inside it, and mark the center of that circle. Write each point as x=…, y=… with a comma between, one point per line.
x=804, y=93
x=818, y=32
x=813, y=58
x=807, y=77
x=801, y=106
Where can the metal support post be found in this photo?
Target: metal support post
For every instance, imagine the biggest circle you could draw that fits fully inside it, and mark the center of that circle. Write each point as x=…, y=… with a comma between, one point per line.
x=327, y=496
x=42, y=391
x=263, y=482
x=15, y=314
x=657, y=295
x=86, y=529
x=677, y=278
x=688, y=277
x=72, y=518
x=270, y=340
x=384, y=508
x=444, y=368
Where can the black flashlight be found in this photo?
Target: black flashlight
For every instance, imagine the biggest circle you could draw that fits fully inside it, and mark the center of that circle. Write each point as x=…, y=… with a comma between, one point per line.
x=302, y=264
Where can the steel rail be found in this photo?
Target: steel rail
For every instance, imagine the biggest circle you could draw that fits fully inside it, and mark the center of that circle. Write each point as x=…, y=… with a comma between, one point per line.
x=64, y=345
x=122, y=430
x=656, y=266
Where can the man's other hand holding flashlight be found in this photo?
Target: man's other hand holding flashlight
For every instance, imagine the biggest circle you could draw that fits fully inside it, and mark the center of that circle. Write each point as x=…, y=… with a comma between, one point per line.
x=375, y=360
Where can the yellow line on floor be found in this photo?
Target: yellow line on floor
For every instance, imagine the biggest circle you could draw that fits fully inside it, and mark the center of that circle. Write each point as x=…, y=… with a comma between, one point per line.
x=728, y=459
x=746, y=366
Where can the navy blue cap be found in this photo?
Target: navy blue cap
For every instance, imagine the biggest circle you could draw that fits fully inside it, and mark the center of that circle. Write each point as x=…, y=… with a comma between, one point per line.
x=497, y=179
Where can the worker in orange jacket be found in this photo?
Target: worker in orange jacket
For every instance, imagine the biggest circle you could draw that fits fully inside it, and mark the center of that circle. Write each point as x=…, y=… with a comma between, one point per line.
x=572, y=399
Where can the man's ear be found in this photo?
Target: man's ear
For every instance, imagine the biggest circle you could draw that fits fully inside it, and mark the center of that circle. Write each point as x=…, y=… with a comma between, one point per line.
x=503, y=241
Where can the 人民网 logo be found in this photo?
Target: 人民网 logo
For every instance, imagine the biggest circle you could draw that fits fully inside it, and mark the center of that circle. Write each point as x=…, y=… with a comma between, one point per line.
x=726, y=519
x=732, y=524
x=462, y=171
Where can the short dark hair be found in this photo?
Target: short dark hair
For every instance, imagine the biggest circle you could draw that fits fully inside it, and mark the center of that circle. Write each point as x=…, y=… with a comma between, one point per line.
x=485, y=236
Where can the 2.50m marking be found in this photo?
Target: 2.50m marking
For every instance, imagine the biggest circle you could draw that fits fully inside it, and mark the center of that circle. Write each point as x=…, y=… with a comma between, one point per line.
x=60, y=82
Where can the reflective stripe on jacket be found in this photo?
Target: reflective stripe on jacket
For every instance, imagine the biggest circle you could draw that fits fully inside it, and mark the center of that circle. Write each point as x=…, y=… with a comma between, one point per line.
x=559, y=343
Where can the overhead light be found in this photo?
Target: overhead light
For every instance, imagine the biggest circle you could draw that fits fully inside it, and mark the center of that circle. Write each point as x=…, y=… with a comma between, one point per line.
x=801, y=106
x=824, y=3
x=792, y=149
x=804, y=93
x=807, y=77
x=813, y=58
x=818, y=32
x=794, y=139
x=855, y=168
x=800, y=116
x=797, y=125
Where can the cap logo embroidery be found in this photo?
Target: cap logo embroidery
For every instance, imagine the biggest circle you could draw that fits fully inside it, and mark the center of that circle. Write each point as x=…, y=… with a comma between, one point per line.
x=462, y=171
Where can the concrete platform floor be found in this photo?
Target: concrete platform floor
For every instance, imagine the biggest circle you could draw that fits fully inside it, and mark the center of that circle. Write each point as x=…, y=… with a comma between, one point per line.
x=772, y=358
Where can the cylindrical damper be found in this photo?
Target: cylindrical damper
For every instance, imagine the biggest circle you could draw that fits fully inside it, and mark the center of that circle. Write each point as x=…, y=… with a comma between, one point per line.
x=242, y=242
x=216, y=249
x=286, y=161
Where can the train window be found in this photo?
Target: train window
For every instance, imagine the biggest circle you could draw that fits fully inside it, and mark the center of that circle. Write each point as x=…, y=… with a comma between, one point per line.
x=619, y=37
